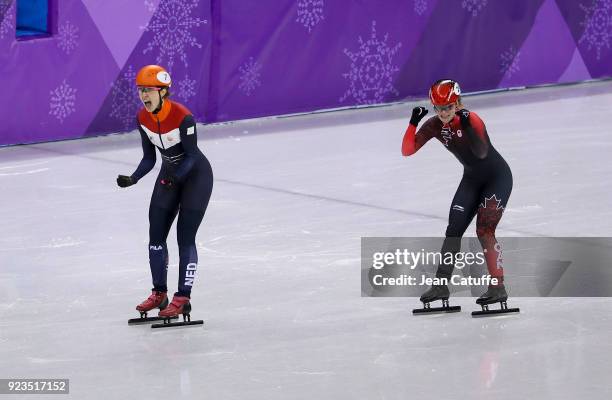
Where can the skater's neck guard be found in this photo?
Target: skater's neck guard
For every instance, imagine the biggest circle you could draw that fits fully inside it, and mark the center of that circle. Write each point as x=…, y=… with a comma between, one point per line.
x=170, y=117
x=164, y=111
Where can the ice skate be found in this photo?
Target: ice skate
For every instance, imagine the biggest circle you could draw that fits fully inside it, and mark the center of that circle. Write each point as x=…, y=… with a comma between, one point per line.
x=155, y=300
x=179, y=305
x=494, y=294
x=436, y=292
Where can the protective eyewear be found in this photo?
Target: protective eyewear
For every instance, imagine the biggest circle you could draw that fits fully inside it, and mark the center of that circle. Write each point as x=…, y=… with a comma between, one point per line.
x=444, y=108
x=148, y=89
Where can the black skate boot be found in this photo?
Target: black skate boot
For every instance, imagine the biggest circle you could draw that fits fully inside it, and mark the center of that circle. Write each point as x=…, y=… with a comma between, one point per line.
x=436, y=292
x=494, y=294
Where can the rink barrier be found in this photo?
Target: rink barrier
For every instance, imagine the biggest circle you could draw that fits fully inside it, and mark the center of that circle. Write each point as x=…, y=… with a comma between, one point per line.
x=294, y=60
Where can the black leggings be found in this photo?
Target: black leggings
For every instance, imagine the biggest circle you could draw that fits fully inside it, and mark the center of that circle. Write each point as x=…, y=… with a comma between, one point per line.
x=483, y=193
x=189, y=201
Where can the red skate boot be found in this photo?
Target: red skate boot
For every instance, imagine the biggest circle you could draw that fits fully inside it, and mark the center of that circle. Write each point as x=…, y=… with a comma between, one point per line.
x=155, y=300
x=179, y=305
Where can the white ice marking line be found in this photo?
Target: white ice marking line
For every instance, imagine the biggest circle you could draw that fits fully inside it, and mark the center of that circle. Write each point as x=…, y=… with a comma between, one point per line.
x=219, y=352
x=345, y=262
x=37, y=360
x=24, y=165
x=34, y=171
x=523, y=208
x=313, y=372
x=66, y=244
x=46, y=246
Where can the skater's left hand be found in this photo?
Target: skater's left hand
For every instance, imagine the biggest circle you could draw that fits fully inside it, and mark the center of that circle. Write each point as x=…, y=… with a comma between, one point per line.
x=464, y=116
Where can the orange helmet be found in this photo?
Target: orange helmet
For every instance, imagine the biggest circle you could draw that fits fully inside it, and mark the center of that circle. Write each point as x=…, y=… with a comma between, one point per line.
x=153, y=75
x=444, y=92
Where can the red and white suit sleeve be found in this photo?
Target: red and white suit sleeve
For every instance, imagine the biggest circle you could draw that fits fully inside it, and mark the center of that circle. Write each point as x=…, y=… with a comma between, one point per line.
x=414, y=140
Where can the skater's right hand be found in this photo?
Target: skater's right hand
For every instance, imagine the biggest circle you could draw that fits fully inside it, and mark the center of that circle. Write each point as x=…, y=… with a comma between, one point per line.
x=169, y=182
x=464, y=117
x=125, y=181
x=418, y=113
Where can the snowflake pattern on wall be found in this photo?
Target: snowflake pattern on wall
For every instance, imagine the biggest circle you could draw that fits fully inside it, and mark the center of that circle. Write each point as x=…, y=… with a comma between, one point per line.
x=473, y=6
x=125, y=102
x=172, y=26
x=63, y=101
x=598, y=25
x=420, y=6
x=509, y=61
x=7, y=25
x=372, y=69
x=4, y=6
x=186, y=88
x=68, y=37
x=150, y=4
x=249, y=76
x=310, y=13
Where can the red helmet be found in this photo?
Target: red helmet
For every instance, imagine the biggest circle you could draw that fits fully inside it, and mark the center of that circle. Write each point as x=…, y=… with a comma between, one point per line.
x=444, y=92
x=153, y=75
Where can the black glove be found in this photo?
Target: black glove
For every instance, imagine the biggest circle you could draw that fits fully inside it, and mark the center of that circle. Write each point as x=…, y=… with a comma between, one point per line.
x=169, y=182
x=464, y=116
x=125, y=181
x=418, y=113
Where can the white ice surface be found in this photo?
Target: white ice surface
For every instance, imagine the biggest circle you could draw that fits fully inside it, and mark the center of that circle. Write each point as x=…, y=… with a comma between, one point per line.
x=279, y=279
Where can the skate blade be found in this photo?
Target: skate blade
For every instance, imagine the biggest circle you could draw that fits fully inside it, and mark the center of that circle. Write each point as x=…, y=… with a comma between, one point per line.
x=174, y=324
x=139, y=321
x=432, y=310
x=487, y=313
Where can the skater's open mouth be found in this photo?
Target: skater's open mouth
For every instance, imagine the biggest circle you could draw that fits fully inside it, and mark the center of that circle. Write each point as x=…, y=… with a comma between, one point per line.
x=147, y=104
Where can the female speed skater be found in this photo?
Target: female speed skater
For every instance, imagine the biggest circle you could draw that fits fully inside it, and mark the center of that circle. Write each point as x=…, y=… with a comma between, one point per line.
x=483, y=191
x=183, y=187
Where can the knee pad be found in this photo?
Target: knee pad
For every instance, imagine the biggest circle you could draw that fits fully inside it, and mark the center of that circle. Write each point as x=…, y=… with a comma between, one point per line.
x=187, y=226
x=487, y=221
x=160, y=221
x=453, y=230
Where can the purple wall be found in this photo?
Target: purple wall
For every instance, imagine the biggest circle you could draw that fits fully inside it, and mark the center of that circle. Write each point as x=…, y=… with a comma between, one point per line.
x=235, y=59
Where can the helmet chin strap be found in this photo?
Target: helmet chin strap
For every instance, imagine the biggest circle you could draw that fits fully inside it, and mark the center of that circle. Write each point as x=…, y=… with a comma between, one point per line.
x=161, y=103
